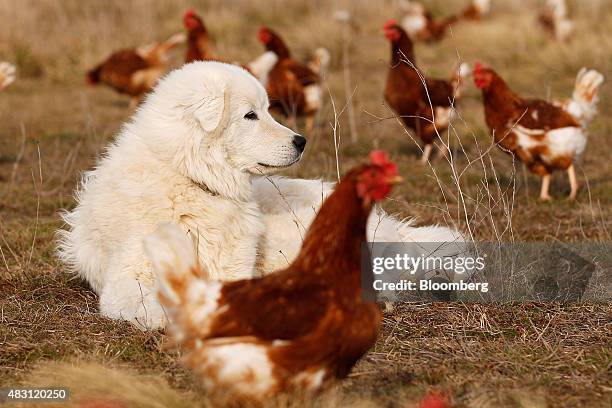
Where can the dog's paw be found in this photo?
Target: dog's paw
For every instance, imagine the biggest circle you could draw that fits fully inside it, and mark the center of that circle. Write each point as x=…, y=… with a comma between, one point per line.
x=135, y=303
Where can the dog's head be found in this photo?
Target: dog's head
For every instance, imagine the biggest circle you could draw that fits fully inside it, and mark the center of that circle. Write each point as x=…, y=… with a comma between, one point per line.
x=215, y=120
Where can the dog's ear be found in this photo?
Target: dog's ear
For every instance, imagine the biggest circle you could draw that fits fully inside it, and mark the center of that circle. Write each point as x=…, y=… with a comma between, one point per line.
x=212, y=110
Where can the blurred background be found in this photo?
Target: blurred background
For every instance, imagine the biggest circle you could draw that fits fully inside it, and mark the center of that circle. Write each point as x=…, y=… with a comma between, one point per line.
x=54, y=43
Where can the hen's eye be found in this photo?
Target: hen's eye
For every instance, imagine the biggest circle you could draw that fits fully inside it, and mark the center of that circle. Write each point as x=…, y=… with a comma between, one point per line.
x=251, y=116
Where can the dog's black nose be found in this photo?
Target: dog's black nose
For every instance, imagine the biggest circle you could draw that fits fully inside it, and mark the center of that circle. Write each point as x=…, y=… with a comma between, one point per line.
x=299, y=142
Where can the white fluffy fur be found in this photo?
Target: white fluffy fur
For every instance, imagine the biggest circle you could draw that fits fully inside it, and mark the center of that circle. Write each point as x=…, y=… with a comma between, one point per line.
x=289, y=207
x=188, y=157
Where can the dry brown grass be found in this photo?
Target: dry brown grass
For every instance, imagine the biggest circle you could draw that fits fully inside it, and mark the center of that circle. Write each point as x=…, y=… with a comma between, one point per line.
x=52, y=127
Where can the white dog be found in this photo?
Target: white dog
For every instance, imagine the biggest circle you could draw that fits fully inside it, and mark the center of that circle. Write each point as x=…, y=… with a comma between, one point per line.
x=188, y=156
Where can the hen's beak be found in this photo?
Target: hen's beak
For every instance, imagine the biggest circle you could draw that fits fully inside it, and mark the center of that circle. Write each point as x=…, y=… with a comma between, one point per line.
x=395, y=180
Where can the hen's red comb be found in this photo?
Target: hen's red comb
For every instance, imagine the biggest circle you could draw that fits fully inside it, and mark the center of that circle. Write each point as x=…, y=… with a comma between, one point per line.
x=434, y=400
x=189, y=13
x=263, y=34
x=389, y=24
x=381, y=158
x=478, y=67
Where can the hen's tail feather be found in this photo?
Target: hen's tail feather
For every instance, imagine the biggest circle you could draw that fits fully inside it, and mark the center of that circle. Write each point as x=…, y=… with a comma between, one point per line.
x=459, y=78
x=170, y=43
x=93, y=75
x=160, y=50
x=583, y=105
x=588, y=82
x=7, y=74
x=176, y=39
x=476, y=10
x=555, y=17
x=189, y=299
x=558, y=8
x=320, y=61
x=483, y=6
x=172, y=253
x=261, y=66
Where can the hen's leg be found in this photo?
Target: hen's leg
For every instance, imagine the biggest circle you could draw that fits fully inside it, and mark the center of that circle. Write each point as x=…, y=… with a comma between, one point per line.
x=571, y=172
x=426, y=153
x=544, y=196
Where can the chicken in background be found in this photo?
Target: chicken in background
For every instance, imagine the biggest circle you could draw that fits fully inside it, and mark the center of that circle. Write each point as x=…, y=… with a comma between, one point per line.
x=543, y=136
x=199, y=43
x=424, y=105
x=135, y=71
x=555, y=20
x=477, y=10
x=7, y=74
x=583, y=103
x=297, y=329
x=420, y=24
x=294, y=89
x=200, y=48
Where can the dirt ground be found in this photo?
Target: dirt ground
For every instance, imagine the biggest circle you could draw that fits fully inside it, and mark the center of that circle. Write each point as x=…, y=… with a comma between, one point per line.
x=53, y=127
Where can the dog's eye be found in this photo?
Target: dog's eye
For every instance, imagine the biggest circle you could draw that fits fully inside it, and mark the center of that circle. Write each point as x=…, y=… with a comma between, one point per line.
x=251, y=116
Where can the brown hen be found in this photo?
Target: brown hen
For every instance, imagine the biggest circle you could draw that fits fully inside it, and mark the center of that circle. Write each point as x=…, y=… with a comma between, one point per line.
x=296, y=329
x=423, y=104
x=135, y=71
x=294, y=89
x=543, y=136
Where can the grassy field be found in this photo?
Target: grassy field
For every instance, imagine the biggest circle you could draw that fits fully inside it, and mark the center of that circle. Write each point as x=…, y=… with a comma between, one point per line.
x=52, y=127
